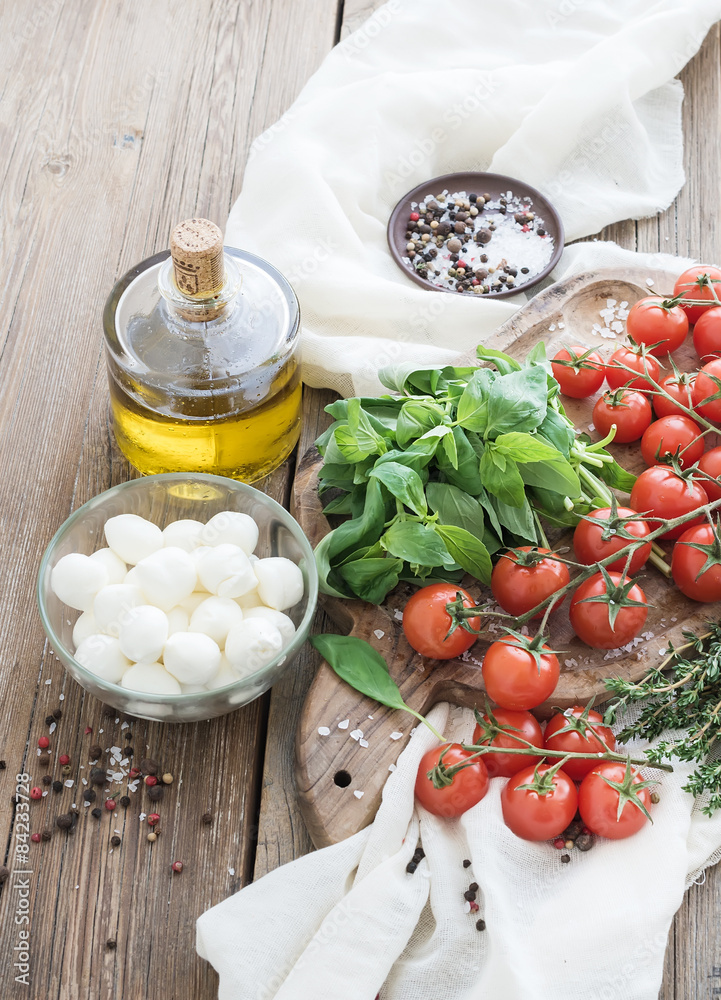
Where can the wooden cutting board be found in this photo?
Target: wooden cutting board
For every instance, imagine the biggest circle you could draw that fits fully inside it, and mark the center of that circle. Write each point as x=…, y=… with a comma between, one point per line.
x=331, y=768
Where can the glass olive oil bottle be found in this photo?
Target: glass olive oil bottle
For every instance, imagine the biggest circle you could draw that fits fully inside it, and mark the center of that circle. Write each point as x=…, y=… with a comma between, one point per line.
x=202, y=354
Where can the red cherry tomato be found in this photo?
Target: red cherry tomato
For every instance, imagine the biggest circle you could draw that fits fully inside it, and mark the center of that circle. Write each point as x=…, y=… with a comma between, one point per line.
x=599, y=797
x=707, y=333
x=698, y=282
x=707, y=385
x=591, y=620
x=629, y=410
x=710, y=462
x=660, y=327
x=634, y=358
x=468, y=786
x=579, y=371
x=672, y=435
x=535, y=816
x=687, y=562
x=520, y=579
x=660, y=491
x=681, y=388
x=591, y=546
x=578, y=731
x=513, y=724
x=426, y=622
x=516, y=678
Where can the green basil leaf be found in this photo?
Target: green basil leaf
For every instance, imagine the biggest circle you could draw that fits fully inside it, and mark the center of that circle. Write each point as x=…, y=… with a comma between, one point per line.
x=518, y=520
x=415, y=543
x=557, y=475
x=403, y=483
x=473, y=404
x=454, y=506
x=348, y=447
x=467, y=550
x=415, y=419
x=524, y=447
x=537, y=356
x=465, y=474
x=436, y=575
x=342, y=504
x=365, y=435
x=382, y=411
x=503, y=362
x=517, y=402
x=557, y=431
x=501, y=477
x=413, y=458
x=361, y=666
x=371, y=578
x=332, y=474
x=450, y=449
x=615, y=476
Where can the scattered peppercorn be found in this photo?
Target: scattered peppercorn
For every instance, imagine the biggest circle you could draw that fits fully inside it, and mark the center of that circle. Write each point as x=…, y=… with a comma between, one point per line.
x=153, y=819
x=58, y=713
x=466, y=863
x=152, y=837
x=177, y=867
x=57, y=786
x=43, y=742
x=64, y=821
x=124, y=801
x=95, y=752
x=111, y=944
x=128, y=736
x=129, y=752
x=47, y=780
x=89, y=795
x=565, y=858
x=207, y=818
x=110, y=804
x=63, y=759
x=96, y=812
x=149, y=766
x=156, y=793
x=66, y=769
x=108, y=712
x=150, y=780
x=49, y=719
x=411, y=867
x=167, y=778
x=480, y=925
x=47, y=834
x=35, y=837
x=97, y=776
x=115, y=841
x=44, y=758
x=584, y=841
x=469, y=894
x=655, y=798
x=88, y=729
x=473, y=887
x=36, y=793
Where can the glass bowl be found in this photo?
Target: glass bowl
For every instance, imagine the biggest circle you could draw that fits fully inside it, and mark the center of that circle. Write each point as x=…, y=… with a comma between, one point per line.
x=161, y=499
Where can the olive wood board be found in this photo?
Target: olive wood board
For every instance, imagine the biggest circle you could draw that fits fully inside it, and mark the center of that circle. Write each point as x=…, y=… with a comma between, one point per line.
x=329, y=769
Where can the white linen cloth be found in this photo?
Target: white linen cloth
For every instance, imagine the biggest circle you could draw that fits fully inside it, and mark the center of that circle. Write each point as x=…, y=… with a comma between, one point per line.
x=348, y=921
x=573, y=96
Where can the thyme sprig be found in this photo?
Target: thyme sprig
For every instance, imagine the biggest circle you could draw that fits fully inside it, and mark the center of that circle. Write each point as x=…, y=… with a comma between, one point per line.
x=682, y=693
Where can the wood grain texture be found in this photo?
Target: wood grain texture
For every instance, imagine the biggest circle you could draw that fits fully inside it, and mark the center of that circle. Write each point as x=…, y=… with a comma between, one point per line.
x=116, y=121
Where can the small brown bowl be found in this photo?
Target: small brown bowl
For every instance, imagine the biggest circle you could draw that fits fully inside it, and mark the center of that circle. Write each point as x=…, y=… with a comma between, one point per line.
x=481, y=183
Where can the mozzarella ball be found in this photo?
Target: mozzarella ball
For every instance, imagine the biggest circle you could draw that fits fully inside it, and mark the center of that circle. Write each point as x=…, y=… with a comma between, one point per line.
x=226, y=571
x=215, y=616
x=196, y=555
x=132, y=577
x=183, y=534
x=102, y=655
x=113, y=564
x=150, y=678
x=178, y=619
x=280, y=582
x=132, y=538
x=251, y=644
x=83, y=627
x=282, y=622
x=166, y=577
x=192, y=688
x=144, y=634
x=191, y=602
x=249, y=600
x=230, y=527
x=114, y=604
x=191, y=657
x=76, y=579
x=226, y=675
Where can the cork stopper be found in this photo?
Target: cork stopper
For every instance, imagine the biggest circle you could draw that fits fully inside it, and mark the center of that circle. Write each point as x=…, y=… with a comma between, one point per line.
x=196, y=247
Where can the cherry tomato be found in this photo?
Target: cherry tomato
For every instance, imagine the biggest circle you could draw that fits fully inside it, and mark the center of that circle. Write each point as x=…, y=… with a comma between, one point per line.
x=670, y=435
x=660, y=491
x=520, y=579
x=681, y=388
x=535, y=816
x=688, y=561
x=698, y=282
x=662, y=328
x=577, y=730
x=591, y=620
x=707, y=333
x=599, y=797
x=426, y=622
x=521, y=724
x=579, y=371
x=629, y=410
x=636, y=359
x=710, y=463
x=708, y=384
x=518, y=678
x=468, y=786
x=591, y=546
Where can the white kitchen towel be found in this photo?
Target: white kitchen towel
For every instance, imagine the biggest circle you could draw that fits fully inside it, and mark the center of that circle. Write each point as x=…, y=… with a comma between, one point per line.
x=577, y=97
x=348, y=922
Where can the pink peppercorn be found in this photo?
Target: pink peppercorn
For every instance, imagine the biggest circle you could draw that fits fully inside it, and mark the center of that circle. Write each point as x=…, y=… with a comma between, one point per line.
x=88, y=730
x=414, y=216
x=36, y=838
x=474, y=906
x=151, y=780
x=177, y=867
x=43, y=742
x=559, y=843
x=110, y=804
x=153, y=819
x=63, y=759
x=36, y=793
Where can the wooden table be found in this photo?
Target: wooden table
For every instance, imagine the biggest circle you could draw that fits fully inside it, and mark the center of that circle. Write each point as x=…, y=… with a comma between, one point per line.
x=118, y=119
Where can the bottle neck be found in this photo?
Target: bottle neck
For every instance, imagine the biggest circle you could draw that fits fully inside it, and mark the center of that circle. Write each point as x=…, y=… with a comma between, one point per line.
x=203, y=307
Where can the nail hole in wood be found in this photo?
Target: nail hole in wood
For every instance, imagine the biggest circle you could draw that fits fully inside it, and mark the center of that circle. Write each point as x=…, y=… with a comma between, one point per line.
x=342, y=779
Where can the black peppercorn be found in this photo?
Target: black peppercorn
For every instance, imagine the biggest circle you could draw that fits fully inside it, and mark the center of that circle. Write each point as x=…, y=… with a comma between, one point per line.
x=97, y=776
x=89, y=795
x=57, y=786
x=524, y=270
x=128, y=736
x=47, y=780
x=115, y=841
x=565, y=858
x=111, y=944
x=149, y=766
x=473, y=887
x=411, y=867
x=466, y=863
x=129, y=751
x=49, y=719
x=58, y=713
x=155, y=793
x=46, y=835
x=207, y=818
x=418, y=854
x=469, y=895
x=3, y=765
x=124, y=801
x=95, y=752
x=480, y=925
x=584, y=842
x=97, y=813
x=541, y=232
x=64, y=821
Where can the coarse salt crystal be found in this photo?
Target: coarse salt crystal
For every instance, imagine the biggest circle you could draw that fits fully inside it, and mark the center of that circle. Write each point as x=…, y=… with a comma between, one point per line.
x=48, y=682
x=358, y=795
x=649, y=282
x=323, y=731
x=561, y=326
x=378, y=633
x=69, y=783
x=61, y=697
x=398, y=615
x=396, y=736
x=53, y=727
x=552, y=327
x=231, y=871
x=344, y=724
x=392, y=767
x=363, y=743
x=370, y=716
x=357, y=734
x=142, y=816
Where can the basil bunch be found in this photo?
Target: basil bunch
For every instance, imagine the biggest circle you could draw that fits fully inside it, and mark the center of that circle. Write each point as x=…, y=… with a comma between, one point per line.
x=458, y=465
